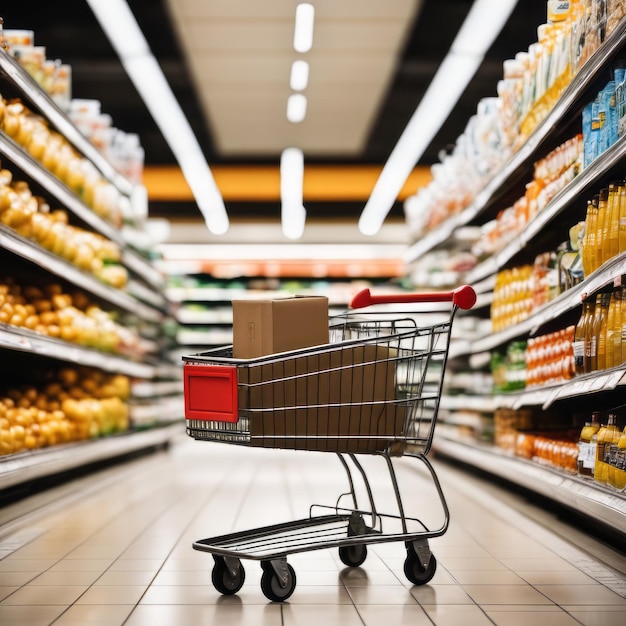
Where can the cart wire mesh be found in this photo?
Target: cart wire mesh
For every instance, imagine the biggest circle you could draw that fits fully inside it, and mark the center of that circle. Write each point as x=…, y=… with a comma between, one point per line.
x=375, y=387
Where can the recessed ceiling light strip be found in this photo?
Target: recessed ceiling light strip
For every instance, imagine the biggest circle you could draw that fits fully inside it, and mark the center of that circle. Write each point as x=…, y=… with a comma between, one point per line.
x=303, y=32
x=482, y=25
x=120, y=26
x=293, y=213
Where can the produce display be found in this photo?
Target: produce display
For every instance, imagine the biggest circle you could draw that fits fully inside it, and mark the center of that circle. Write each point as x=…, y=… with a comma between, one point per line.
x=57, y=155
x=71, y=404
x=49, y=310
x=31, y=217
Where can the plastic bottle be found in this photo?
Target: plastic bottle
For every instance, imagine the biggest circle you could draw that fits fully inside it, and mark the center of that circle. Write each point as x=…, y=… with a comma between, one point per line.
x=607, y=435
x=587, y=446
x=613, y=209
x=614, y=330
x=623, y=324
x=600, y=326
x=589, y=257
x=578, y=345
x=601, y=231
x=621, y=246
x=617, y=469
x=590, y=347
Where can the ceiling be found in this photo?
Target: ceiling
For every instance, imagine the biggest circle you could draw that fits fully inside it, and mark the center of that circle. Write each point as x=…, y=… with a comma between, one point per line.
x=228, y=64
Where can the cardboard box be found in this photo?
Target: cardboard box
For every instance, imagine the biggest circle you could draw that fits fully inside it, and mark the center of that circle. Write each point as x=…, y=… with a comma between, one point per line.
x=264, y=327
x=339, y=400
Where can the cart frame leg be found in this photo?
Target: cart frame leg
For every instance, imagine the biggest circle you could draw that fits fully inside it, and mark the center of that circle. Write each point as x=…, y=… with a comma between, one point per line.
x=372, y=512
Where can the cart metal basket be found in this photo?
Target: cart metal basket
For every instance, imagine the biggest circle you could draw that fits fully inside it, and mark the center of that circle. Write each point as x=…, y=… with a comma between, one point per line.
x=374, y=389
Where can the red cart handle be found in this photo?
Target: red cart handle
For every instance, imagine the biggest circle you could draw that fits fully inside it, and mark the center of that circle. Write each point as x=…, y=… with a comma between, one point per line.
x=464, y=297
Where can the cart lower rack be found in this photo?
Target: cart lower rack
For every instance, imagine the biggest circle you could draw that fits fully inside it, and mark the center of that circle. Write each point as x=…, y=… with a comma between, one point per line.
x=374, y=389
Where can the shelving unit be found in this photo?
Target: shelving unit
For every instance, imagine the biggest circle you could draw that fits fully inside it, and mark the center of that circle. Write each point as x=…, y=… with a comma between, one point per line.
x=156, y=402
x=203, y=303
x=463, y=411
x=581, y=495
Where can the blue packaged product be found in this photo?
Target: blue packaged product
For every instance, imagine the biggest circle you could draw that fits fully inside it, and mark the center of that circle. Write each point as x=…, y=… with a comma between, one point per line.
x=606, y=117
x=620, y=100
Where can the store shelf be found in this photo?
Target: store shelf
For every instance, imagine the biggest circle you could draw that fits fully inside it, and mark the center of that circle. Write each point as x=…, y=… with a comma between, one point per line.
x=31, y=251
x=24, y=340
x=69, y=200
x=211, y=337
x=602, y=166
x=572, y=99
x=566, y=301
x=583, y=496
x=143, y=268
x=31, y=90
x=153, y=389
x=24, y=467
x=481, y=404
x=57, y=189
x=163, y=410
x=606, y=380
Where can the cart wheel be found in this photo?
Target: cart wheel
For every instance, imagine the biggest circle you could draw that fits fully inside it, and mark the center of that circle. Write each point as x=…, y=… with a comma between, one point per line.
x=270, y=585
x=415, y=571
x=223, y=580
x=353, y=556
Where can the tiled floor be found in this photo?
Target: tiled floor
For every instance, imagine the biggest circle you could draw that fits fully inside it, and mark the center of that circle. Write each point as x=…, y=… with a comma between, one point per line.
x=115, y=548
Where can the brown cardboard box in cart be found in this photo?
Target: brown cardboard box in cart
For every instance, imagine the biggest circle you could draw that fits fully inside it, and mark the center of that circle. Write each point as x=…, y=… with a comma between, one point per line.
x=338, y=399
x=264, y=327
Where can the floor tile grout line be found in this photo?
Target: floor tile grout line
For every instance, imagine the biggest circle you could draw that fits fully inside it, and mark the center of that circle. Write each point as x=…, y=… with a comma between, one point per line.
x=210, y=496
x=86, y=539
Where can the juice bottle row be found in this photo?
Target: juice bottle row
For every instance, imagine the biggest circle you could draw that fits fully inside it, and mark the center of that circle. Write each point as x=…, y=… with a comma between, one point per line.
x=602, y=451
x=600, y=336
x=604, y=234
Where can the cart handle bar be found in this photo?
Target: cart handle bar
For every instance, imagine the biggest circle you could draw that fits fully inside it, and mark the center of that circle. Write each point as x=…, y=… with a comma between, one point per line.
x=464, y=297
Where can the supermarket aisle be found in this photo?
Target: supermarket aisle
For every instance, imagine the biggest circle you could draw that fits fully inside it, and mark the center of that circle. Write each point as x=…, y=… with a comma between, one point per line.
x=115, y=548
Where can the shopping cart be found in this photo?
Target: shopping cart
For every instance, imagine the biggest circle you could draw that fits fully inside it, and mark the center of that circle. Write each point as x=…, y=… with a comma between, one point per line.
x=374, y=389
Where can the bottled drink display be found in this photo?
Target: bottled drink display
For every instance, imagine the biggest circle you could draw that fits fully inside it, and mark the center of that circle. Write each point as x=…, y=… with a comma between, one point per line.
x=607, y=435
x=587, y=446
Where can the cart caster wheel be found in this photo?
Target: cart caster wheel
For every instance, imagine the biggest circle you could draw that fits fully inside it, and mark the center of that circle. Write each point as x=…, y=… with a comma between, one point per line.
x=415, y=571
x=271, y=587
x=353, y=556
x=223, y=580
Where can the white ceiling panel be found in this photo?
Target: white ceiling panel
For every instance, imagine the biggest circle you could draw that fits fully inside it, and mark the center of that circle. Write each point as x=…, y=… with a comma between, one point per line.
x=240, y=54
x=223, y=36
x=271, y=9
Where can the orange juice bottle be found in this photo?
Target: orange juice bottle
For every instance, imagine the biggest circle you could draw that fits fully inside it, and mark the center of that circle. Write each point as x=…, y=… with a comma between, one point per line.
x=578, y=345
x=590, y=347
x=601, y=230
x=617, y=469
x=587, y=446
x=614, y=330
x=623, y=326
x=621, y=245
x=613, y=209
x=598, y=361
x=607, y=435
x=608, y=334
x=590, y=253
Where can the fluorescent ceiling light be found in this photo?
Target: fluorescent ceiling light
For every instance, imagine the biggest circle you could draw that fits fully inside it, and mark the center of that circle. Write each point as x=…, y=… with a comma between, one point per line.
x=303, y=32
x=120, y=26
x=299, y=75
x=293, y=213
x=482, y=25
x=296, y=108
